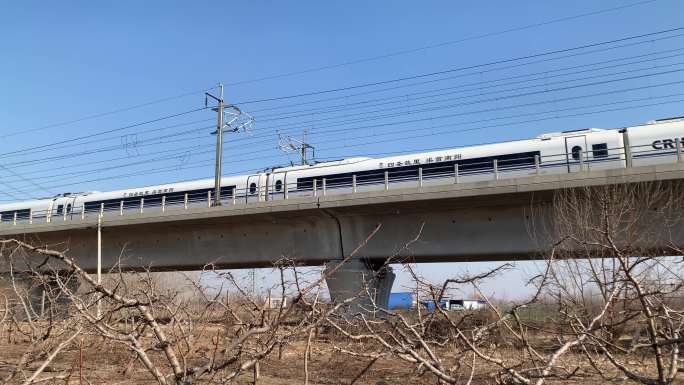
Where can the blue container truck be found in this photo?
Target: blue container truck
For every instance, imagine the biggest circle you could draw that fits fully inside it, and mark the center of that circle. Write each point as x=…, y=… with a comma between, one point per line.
x=403, y=300
x=430, y=305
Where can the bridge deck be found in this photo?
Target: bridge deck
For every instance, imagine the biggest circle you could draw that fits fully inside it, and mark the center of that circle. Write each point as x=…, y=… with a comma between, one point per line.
x=475, y=221
x=426, y=193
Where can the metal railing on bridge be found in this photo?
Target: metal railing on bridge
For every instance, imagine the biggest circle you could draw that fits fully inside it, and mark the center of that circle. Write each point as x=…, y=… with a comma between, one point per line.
x=420, y=175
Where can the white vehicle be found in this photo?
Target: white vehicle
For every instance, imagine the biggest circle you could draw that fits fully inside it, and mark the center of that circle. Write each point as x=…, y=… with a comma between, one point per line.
x=555, y=153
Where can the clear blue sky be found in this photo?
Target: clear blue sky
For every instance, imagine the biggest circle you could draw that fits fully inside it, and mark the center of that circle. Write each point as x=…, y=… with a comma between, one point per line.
x=63, y=61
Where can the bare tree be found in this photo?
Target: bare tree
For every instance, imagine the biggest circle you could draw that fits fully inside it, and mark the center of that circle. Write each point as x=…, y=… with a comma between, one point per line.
x=207, y=337
x=606, y=307
x=617, y=289
x=607, y=292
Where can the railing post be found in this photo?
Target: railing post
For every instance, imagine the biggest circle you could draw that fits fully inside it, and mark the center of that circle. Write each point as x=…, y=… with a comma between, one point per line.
x=121, y=207
x=627, y=148
x=99, y=260
x=64, y=213
x=420, y=177
x=353, y=183
x=324, y=186
x=455, y=173
x=163, y=203
x=581, y=160
x=30, y=216
x=315, y=187
x=234, y=197
x=386, y=180
x=101, y=209
x=83, y=211
x=142, y=205
x=678, y=147
x=496, y=169
x=185, y=201
x=536, y=164
x=285, y=189
x=209, y=198
x=14, y=221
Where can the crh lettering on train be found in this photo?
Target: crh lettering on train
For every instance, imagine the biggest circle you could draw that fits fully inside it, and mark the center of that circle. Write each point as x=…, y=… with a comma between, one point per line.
x=663, y=144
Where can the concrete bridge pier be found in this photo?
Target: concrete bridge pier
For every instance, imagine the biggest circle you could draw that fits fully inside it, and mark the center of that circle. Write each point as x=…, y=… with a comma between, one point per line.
x=359, y=278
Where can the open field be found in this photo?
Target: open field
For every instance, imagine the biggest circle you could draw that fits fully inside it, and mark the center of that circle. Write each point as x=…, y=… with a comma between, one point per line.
x=91, y=359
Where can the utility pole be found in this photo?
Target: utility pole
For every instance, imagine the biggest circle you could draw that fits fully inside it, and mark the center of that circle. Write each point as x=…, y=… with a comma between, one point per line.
x=238, y=120
x=99, y=260
x=305, y=146
x=288, y=144
x=252, y=275
x=219, y=143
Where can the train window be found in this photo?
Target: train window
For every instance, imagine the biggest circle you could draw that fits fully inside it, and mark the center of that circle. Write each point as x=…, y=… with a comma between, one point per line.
x=278, y=185
x=252, y=188
x=600, y=150
x=68, y=208
x=60, y=208
x=576, y=152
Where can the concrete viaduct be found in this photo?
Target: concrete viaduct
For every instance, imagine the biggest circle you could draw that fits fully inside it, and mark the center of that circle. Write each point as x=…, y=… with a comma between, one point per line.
x=480, y=221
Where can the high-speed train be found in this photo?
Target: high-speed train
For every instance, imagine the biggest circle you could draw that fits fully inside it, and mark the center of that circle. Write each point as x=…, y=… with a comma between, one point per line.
x=553, y=153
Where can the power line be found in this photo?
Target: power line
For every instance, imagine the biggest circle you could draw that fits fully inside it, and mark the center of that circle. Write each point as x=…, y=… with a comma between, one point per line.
x=505, y=124
x=453, y=115
x=480, y=72
x=150, y=142
x=25, y=179
x=487, y=100
x=333, y=66
x=413, y=110
x=438, y=45
x=118, y=137
x=52, y=145
x=156, y=129
x=365, y=137
x=102, y=114
x=155, y=141
x=325, y=91
x=402, y=97
x=463, y=68
x=104, y=132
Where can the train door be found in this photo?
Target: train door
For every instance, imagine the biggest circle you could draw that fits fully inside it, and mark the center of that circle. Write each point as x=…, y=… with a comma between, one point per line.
x=56, y=208
x=252, y=193
x=575, y=148
x=276, y=182
x=69, y=207
x=62, y=208
x=257, y=188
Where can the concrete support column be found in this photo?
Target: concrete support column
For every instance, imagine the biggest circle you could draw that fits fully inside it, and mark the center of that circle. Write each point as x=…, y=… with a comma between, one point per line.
x=357, y=276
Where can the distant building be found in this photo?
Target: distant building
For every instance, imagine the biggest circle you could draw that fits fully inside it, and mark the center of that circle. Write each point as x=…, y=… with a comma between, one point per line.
x=466, y=304
x=455, y=304
x=408, y=300
x=276, y=302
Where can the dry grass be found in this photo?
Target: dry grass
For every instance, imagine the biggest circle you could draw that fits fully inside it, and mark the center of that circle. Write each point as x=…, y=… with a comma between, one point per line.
x=93, y=360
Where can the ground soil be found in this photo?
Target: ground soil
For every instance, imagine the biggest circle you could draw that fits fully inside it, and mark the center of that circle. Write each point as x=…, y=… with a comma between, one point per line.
x=104, y=363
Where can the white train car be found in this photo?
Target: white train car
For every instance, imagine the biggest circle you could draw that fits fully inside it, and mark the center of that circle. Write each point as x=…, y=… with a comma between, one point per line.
x=655, y=142
x=555, y=153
